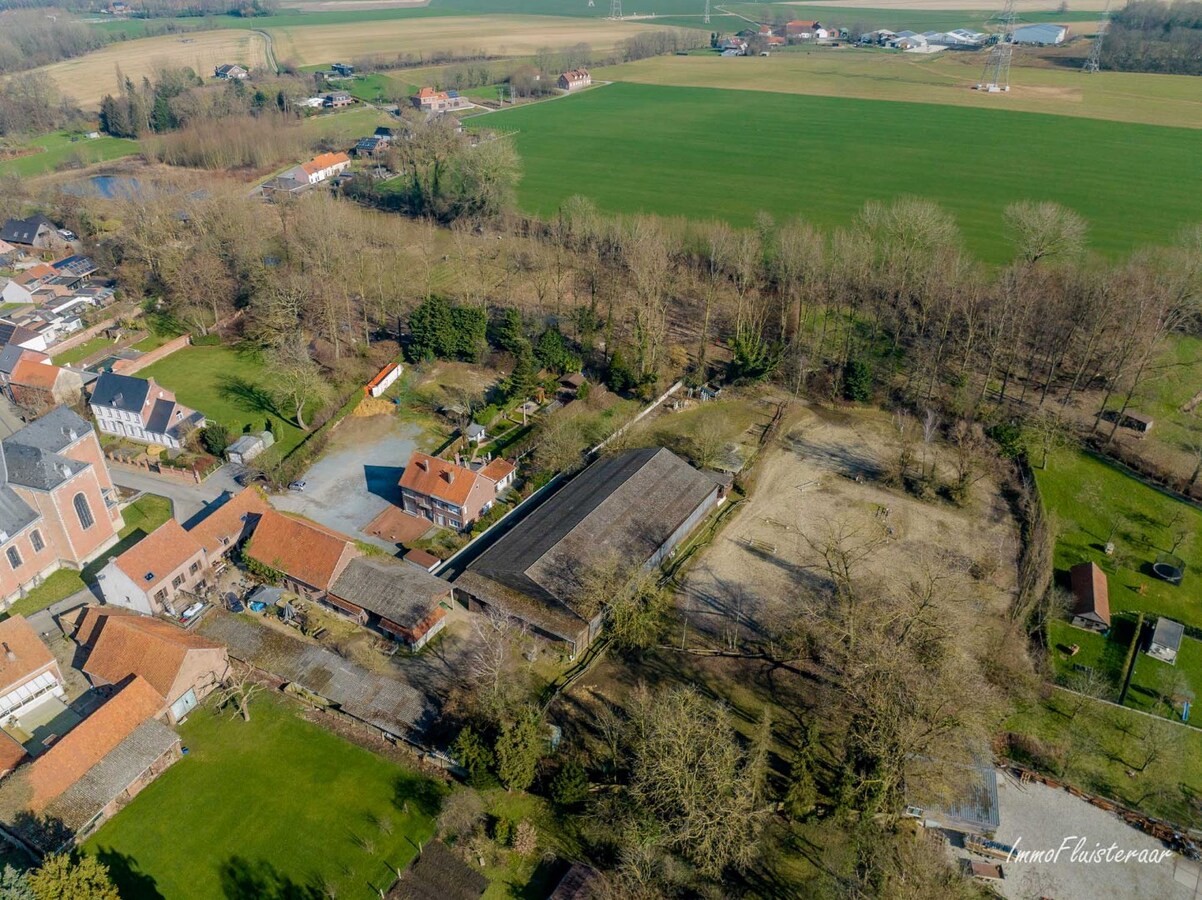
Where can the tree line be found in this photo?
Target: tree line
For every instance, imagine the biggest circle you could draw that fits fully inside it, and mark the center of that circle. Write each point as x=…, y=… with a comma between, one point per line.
x=1155, y=36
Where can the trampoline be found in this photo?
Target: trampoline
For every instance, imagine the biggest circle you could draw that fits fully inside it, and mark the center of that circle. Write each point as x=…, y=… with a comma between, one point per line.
x=1169, y=568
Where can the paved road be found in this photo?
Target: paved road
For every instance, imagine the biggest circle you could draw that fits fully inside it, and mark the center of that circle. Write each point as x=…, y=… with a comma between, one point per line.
x=186, y=499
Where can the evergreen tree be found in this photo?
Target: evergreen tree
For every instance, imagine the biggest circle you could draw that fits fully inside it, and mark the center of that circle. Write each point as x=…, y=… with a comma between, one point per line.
x=507, y=333
x=518, y=750
x=857, y=381
x=553, y=353
x=14, y=885
x=430, y=330
x=469, y=325
x=161, y=117
x=523, y=379
x=473, y=754
x=620, y=376
x=570, y=785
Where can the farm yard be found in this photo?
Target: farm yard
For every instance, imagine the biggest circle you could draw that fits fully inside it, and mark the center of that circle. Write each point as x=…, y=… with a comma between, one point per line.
x=315, y=814
x=863, y=150
x=944, y=78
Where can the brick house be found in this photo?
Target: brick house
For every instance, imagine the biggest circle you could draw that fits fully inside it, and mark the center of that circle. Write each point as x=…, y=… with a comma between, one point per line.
x=141, y=410
x=58, y=506
x=226, y=527
x=183, y=667
x=308, y=557
x=29, y=673
x=36, y=384
x=429, y=100
x=151, y=576
x=230, y=70
x=36, y=232
x=449, y=494
x=574, y=80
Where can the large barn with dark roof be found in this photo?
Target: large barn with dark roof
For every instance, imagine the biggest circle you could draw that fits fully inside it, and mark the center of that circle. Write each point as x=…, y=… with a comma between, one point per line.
x=637, y=505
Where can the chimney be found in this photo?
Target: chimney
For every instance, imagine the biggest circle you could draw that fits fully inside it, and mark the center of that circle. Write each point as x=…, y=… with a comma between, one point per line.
x=8, y=653
x=424, y=465
x=449, y=475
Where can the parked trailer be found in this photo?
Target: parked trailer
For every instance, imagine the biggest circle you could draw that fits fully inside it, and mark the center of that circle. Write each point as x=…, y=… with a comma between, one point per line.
x=984, y=847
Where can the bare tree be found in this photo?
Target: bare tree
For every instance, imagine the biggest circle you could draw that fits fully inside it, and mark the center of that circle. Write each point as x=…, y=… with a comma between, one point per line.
x=237, y=689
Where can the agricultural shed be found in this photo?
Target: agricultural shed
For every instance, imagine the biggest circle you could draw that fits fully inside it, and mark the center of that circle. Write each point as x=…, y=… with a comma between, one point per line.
x=969, y=807
x=636, y=506
x=1040, y=33
x=438, y=874
x=401, y=599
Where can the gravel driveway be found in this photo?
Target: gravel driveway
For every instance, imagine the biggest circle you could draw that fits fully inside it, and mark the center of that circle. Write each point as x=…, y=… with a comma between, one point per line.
x=357, y=477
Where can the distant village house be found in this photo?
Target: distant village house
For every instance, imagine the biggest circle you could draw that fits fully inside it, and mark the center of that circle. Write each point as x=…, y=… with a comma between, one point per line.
x=574, y=80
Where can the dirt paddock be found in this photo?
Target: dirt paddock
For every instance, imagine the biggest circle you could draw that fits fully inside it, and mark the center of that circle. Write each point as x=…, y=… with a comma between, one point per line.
x=820, y=475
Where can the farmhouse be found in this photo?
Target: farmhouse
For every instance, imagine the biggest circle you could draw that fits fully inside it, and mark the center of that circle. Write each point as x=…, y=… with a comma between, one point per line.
x=140, y=410
x=405, y=602
x=158, y=575
x=92, y=771
x=36, y=232
x=342, y=69
x=183, y=668
x=227, y=526
x=805, y=30
x=230, y=70
x=58, y=506
x=1040, y=34
x=315, y=171
x=449, y=494
x=1092, y=608
x=1166, y=640
x=633, y=507
x=574, y=80
x=429, y=100
x=307, y=557
x=336, y=100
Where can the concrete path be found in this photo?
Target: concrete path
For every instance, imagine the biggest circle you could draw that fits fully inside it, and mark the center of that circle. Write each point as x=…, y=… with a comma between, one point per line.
x=186, y=499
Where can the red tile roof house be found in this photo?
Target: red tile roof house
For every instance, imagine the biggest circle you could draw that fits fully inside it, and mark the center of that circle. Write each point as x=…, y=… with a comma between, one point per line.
x=29, y=673
x=448, y=494
x=91, y=772
x=574, y=80
x=38, y=385
x=183, y=667
x=430, y=100
x=1092, y=608
x=225, y=528
x=158, y=575
x=307, y=557
x=402, y=600
x=58, y=506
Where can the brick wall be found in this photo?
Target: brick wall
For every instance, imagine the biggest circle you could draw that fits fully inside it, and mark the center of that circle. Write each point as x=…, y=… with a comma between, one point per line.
x=82, y=337
x=130, y=366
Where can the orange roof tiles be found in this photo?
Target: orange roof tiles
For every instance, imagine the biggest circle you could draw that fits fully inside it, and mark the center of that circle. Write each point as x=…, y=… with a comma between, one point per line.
x=140, y=645
x=90, y=741
x=87, y=626
x=31, y=372
x=158, y=554
x=11, y=753
x=498, y=469
x=227, y=524
x=36, y=273
x=436, y=477
x=1092, y=592
x=302, y=550
x=22, y=652
x=324, y=161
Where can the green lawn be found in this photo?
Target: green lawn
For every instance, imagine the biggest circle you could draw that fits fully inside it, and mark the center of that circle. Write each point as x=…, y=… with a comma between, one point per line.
x=1102, y=748
x=58, y=148
x=274, y=807
x=83, y=351
x=734, y=153
x=228, y=386
x=141, y=517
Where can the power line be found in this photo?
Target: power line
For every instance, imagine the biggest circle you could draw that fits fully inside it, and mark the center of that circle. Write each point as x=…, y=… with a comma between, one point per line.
x=707, y=12
x=615, y=9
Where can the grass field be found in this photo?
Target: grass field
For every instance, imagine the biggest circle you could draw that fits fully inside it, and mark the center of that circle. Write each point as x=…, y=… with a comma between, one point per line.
x=274, y=807
x=82, y=351
x=500, y=35
x=227, y=385
x=86, y=79
x=1144, y=521
x=945, y=78
x=733, y=153
x=141, y=517
x=59, y=148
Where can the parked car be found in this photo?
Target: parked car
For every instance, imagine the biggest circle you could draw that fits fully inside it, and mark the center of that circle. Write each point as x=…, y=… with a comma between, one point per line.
x=66, y=234
x=245, y=478
x=298, y=486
